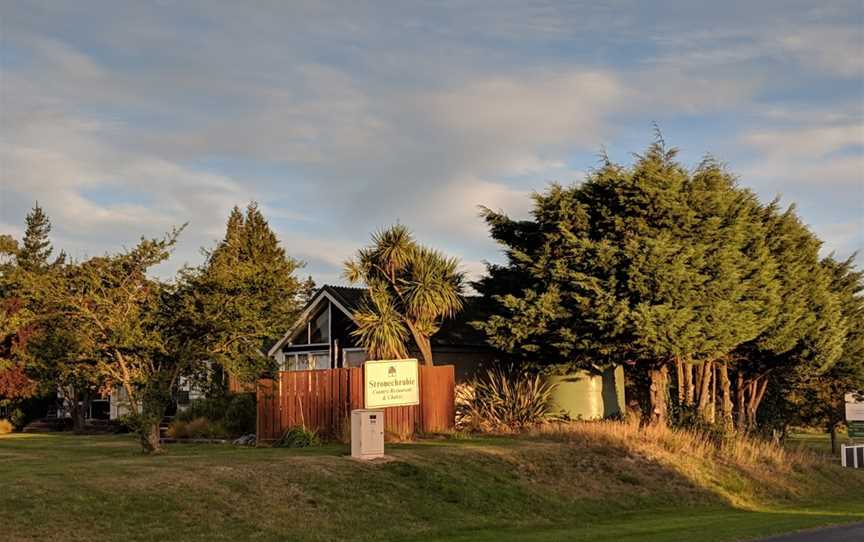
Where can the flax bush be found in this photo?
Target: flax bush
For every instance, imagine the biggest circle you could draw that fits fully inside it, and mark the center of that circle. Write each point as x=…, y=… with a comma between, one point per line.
x=298, y=437
x=504, y=401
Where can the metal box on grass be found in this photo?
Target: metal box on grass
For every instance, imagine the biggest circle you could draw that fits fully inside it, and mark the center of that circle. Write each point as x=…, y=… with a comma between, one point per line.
x=367, y=434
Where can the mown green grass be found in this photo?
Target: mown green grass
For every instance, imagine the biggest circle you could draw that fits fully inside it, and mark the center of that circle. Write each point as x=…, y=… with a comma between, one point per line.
x=819, y=442
x=64, y=487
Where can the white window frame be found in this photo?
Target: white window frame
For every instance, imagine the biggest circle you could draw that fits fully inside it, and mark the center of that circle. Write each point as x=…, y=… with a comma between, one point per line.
x=346, y=350
x=286, y=366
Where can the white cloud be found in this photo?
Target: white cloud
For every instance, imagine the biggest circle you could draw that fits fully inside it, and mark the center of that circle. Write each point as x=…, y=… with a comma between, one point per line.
x=346, y=120
x=843, y=238
x=834, y=49
x=821, y=154
x=807, y=141
x=454, y=209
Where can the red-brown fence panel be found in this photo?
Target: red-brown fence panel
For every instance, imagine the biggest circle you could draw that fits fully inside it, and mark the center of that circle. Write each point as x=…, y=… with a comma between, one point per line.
x=322, y=400
x=268, y=425
x=437, y=398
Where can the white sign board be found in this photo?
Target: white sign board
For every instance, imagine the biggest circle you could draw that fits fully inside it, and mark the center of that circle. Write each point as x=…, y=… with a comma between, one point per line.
x=855, y=407
x=390, y=383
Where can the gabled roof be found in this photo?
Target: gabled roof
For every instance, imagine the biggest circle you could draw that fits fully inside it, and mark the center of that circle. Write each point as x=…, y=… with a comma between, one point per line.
x=350, y=298
x=346, y=299
x=456, y=331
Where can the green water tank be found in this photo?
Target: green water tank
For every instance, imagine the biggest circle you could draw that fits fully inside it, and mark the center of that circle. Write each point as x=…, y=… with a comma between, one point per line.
x=590, y=395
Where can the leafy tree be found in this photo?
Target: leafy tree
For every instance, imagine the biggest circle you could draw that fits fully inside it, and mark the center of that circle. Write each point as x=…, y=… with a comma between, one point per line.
x=808, y=330
x=117, y=309
x=24, y=271
x=815, y=396
x=412, y=288
x=648, y=264
x=243, y=296
x=42, y=344
x=11, y=306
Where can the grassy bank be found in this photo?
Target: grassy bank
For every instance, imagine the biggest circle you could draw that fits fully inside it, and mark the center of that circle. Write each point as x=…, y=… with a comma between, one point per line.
x=582, y=482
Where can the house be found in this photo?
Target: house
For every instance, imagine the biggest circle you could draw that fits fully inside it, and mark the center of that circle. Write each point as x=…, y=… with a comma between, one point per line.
x=114, y=404
x=322, y=338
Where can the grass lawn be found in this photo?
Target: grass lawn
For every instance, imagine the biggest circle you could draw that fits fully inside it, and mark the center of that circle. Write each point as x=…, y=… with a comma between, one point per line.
x=64, y=487
x=819, y=442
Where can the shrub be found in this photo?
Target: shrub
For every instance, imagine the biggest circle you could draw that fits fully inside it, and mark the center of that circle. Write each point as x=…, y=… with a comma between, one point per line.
x=198, y=428
x=5, y=427
x=298, y=437
x=240, y=416
x=178, y=429
x=212, y=408
x=18, y=418
x=216, y=429
x=505, y=401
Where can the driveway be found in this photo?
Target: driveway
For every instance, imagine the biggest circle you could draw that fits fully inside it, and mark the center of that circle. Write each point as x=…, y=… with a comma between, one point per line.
x=845, y=533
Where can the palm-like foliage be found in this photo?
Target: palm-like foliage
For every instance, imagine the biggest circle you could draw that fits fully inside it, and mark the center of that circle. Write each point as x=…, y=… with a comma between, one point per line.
x=412, y=288
x=505, y=401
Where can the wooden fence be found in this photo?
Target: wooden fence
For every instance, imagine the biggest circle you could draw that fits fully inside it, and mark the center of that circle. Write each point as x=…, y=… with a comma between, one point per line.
x=323, y=400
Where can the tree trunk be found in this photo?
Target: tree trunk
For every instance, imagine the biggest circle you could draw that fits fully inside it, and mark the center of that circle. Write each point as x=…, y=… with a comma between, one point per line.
x=658, y=392
x=127, y=384
x=151, y=440
x=689, y=392
x=705, y=390
x=679, y=382
x=741, y=392
x=423, y=344
x=756, y=390
x=712, y=406
x=835, y=443
x=726, y=390
x=697, y=384
x=76, y=410
x=759, y=390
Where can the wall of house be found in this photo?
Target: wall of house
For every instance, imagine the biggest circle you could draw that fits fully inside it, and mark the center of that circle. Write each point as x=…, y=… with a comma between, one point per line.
x=467, y=361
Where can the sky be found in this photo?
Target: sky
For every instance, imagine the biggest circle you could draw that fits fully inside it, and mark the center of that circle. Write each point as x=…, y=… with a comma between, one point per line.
x=124, y=119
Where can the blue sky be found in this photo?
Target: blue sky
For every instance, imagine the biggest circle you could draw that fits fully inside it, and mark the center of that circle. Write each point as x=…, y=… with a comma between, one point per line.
x=126, y=118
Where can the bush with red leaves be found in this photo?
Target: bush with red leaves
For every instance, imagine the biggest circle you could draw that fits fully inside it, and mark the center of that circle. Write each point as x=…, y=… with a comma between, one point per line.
x=15, y=384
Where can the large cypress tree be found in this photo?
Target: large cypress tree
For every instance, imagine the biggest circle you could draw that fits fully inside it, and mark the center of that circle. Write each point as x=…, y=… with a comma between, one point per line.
x=808, y=329
x=815, y=396
x=649, y=264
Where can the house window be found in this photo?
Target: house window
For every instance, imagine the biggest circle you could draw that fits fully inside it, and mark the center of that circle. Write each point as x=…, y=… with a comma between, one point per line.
x=319, y=326
x=353, y=357
x=306, y=361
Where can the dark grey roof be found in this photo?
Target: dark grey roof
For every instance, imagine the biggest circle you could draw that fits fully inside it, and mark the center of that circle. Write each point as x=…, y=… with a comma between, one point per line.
x=454, y=332
x=350, y=298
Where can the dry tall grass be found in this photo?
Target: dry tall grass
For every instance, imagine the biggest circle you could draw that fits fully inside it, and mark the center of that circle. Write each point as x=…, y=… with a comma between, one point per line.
x=743, y=471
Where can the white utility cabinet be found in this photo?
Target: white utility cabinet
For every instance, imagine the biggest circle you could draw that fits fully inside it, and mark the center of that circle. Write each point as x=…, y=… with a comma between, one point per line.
x=367, y=434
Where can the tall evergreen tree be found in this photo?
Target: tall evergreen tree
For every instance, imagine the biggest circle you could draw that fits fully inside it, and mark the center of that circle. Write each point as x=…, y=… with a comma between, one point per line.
x=36, y=246
x=808, y=330
x=809, y=392
x=244, y=295
x=307, y=290
x=648, y=264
